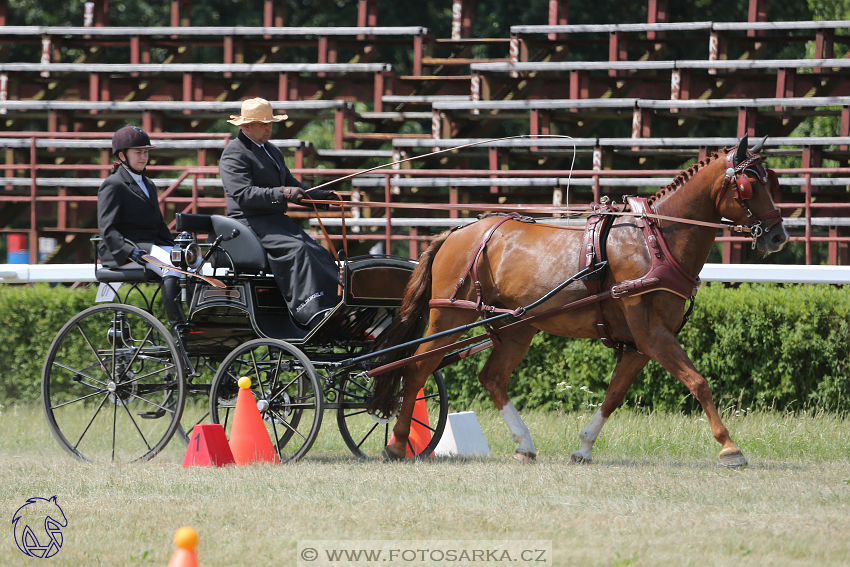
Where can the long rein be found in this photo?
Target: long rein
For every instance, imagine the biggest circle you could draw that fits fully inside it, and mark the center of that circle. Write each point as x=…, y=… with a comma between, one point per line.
x=487, y=208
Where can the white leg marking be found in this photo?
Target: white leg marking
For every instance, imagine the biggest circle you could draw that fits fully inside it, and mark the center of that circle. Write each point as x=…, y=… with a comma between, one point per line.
x=588, y=437
x=519, y=431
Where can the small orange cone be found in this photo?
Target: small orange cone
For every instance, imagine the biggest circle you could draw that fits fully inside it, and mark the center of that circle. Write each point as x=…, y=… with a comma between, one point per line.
x=186, y=540
x=420, y=435
x=249, y=440
x=208, y=447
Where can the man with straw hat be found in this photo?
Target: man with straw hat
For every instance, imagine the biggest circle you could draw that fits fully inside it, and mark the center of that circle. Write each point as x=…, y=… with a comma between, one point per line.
x=258, y=187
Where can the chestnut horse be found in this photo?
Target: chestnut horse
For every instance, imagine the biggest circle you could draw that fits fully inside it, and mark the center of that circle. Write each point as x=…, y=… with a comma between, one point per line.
x=523, y=261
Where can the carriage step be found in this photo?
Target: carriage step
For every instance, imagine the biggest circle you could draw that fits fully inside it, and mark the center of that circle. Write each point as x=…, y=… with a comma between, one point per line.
x=151, y=414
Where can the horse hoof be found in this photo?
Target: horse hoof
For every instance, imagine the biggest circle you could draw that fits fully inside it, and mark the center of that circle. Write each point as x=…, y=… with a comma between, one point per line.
x=733, y=459
x=525, y=457
x=387, y=456
x=580, y=459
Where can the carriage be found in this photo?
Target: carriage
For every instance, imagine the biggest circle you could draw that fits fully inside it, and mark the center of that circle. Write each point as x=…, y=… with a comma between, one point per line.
x=636, y=268
x=117, y=385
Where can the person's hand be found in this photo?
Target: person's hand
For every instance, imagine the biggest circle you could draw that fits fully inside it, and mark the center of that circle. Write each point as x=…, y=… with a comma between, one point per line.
x=294, y=194
x=324, y=195
x=136, y=256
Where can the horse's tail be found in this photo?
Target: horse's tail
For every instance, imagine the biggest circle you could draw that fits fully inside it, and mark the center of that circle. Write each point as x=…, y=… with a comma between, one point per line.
x=408, y=325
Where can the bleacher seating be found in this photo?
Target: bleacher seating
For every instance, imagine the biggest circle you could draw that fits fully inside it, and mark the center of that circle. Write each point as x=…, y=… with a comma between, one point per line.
x=682, y=89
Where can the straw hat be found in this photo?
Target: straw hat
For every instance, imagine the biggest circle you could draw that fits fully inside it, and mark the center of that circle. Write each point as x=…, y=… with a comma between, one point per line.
x=256, y=110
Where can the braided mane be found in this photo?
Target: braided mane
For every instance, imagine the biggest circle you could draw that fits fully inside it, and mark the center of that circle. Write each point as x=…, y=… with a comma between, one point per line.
x=683, y=177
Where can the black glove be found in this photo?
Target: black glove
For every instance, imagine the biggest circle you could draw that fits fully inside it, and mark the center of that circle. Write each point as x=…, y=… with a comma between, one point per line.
x=294, y=194
x=324, y=195
x=136, y=256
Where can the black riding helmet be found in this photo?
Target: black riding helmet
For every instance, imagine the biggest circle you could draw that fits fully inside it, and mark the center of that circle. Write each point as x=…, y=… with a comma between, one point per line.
x=130, y=137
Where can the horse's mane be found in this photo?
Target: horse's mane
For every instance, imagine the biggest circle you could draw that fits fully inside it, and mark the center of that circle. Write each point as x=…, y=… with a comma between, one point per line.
x=683, y=177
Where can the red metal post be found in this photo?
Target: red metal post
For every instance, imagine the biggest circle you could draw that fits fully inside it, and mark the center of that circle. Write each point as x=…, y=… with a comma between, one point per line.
x=378, y=93
x=417, y=55
x=388, y=213
x=187, y=90
x=559, y=11
x=228, y=53
x=656, y=14
x=339, y=128
x=493, y=158
x=823, y=47
x=747, y=121
x=33, y=232
x=282, y=86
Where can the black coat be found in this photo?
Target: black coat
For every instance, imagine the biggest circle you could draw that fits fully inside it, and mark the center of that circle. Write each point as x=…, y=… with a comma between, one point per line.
x=251, y=181
x=306, y=273
x=125, y=214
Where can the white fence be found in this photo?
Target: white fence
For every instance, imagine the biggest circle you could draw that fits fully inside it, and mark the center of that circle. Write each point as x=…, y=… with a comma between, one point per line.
x=767, y=273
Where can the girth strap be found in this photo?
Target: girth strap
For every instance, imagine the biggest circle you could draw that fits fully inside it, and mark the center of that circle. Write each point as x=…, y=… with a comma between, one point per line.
x=593, y=252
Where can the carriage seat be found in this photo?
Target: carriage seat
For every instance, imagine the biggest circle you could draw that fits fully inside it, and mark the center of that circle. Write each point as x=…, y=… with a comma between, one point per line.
x=117, y=275
x=245, y=251
x=135, y=275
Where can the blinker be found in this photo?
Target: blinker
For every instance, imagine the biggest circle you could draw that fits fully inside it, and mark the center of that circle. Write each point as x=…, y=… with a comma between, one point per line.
x=745, y=189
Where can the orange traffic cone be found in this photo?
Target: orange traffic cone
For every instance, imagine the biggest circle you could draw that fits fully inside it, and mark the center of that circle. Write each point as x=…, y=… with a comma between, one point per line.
x=420, y=435
x=249, y=440
x=186, y=540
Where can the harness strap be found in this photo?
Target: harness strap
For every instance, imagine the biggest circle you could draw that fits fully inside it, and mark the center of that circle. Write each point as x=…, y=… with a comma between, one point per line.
x=593, y=252
x=473, y=264
x=665, y=272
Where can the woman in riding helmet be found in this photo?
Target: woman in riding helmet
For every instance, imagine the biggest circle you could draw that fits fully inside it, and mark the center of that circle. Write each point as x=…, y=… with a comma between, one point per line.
x=129, y=219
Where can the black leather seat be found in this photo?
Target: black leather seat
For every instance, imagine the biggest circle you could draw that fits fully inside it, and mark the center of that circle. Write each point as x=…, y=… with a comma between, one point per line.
x=245, y=250
x=117, y=275
x=110, y=275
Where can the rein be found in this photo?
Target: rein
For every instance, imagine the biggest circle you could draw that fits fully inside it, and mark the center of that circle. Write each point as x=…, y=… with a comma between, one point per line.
x=541, y=210
x=756, y=230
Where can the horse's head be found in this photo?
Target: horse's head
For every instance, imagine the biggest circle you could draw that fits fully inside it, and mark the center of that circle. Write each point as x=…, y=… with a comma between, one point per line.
x=745, y=197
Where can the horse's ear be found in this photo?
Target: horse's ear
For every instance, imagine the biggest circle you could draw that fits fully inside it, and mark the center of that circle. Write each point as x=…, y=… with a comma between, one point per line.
x=741, y=154
x=759, y=146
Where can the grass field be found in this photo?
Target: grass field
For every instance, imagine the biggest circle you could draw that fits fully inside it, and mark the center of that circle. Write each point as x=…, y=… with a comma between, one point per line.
x=655, y=495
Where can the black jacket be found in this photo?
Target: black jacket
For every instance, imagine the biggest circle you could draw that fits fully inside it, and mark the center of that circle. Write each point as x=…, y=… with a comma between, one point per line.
x=251, y=180
x=125, y=214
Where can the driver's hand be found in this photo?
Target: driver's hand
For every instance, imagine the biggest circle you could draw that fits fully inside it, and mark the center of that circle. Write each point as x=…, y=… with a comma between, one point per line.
x=294, y=194
x=136, y=256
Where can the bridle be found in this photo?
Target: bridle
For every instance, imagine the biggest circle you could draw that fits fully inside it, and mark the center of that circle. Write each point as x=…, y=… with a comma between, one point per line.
x=744, y=191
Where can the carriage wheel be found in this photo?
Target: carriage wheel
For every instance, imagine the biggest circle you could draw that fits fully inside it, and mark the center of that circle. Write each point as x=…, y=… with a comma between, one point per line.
x=287, y=390
x=111, y=387
x=366, y=435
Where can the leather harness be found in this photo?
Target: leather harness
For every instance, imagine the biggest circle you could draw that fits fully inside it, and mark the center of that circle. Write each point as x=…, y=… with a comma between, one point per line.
x=665, y=272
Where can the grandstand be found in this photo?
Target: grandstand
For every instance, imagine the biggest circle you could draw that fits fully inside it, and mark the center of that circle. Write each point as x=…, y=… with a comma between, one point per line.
x=639, y=100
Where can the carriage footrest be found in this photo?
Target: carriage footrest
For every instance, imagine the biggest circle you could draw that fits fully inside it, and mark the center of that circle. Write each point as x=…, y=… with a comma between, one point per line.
x=151, y=414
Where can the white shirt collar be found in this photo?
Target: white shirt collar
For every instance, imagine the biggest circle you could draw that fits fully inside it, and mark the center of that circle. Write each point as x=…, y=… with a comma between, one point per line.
x=139, y=181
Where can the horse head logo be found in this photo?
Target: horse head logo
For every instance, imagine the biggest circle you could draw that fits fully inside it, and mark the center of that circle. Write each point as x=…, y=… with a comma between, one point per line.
x=37, y=526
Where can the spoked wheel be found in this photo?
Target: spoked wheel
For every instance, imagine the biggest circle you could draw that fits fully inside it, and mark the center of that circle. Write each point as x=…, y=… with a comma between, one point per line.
x=111, y=387
x=286, y=389
x=367, y=435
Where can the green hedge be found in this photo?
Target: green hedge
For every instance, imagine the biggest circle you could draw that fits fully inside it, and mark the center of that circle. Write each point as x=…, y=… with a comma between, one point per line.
x=765, y=345
x=30, y=316
x=760, y=345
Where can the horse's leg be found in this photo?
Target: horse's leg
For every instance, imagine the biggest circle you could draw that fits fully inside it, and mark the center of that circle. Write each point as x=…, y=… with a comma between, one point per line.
x=627, y=369
x=416, y=374
x=663, y=347
x=495, y=376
